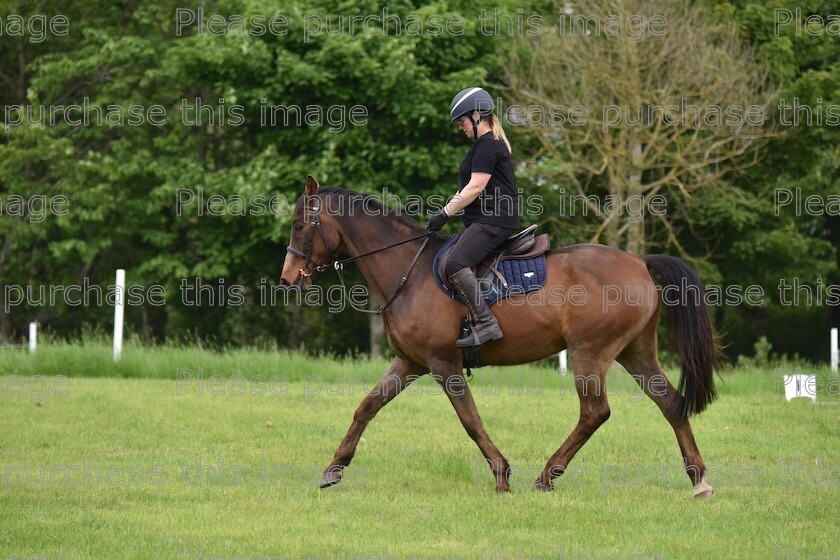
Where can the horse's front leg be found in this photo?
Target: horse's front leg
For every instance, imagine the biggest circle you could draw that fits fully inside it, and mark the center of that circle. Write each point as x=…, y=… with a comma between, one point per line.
x=455, y=386
x=399, y=375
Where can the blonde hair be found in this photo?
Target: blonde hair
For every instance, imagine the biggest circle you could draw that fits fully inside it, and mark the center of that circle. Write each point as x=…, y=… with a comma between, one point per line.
x=498, y=131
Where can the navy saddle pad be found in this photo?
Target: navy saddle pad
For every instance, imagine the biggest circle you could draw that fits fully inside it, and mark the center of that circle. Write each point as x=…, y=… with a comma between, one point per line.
x=522, y=276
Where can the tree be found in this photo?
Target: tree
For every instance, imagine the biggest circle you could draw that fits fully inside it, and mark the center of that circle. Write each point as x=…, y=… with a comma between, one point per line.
x=622, y=114
x=123, y=181
x=759, y=241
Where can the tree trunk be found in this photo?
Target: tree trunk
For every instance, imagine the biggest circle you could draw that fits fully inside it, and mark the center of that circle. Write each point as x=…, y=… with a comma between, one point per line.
x=758, y=319
x=636, y=237
x=158, y=320
x=5, y=319
x=635, y=223
x=377, y=331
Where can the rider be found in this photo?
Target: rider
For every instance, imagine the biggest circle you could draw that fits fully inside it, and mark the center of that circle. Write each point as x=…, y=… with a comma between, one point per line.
x=488, y=198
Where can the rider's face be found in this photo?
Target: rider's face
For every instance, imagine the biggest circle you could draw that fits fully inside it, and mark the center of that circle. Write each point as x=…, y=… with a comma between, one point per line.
x=465, y=125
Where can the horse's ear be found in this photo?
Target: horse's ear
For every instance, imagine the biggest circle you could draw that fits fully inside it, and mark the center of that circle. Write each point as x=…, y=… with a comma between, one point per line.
x=311, y=186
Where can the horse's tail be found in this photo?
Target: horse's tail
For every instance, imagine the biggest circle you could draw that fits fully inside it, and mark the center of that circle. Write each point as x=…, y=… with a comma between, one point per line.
x=689, y=317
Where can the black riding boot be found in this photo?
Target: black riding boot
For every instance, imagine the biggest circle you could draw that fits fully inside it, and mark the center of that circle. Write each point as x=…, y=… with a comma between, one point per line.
x=485, y=325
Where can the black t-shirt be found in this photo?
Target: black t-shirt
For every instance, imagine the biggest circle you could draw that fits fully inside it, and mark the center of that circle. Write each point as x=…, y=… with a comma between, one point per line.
x=498, y=203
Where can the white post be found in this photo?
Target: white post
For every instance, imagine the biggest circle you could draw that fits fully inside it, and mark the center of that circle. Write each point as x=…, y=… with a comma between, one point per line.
x=562, y=355
x=119, y=313
x=33, y=336
x=835, y=351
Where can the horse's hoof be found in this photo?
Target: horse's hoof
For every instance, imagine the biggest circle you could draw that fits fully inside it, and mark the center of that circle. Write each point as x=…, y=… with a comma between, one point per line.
x=330, y=477
x=502, y=489
x=541, y=487
x=702, y=491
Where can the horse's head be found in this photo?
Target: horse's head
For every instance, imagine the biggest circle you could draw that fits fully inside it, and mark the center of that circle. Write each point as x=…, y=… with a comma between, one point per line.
x=314, y=240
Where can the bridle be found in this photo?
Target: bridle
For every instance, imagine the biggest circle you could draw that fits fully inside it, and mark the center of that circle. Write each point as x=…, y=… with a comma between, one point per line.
x=306, y=254
x=310, y=267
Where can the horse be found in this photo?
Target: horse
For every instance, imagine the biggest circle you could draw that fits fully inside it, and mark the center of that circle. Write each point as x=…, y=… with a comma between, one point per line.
x=422, y=324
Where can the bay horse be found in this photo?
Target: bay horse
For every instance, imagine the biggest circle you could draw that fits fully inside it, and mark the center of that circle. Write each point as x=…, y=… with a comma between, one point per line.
x=422, y=323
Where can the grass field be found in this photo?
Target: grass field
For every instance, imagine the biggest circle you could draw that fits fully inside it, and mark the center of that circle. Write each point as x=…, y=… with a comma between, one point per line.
x=127, y=461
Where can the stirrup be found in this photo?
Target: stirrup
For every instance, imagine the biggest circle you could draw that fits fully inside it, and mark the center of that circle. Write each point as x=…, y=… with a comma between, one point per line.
x=472, y=338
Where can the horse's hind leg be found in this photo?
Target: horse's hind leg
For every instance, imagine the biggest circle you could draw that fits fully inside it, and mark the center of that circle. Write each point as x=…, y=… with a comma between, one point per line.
x=590, y=373
x=392, y=383
x=639, y=358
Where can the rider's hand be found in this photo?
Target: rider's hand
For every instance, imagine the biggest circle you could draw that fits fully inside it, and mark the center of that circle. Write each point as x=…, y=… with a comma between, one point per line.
x=437, y=221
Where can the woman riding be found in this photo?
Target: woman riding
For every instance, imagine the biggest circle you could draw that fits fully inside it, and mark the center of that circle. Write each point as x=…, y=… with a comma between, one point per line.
x=488, y=198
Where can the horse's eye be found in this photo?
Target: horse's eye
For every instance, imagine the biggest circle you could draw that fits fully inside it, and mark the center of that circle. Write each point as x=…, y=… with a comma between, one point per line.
x=298, y=227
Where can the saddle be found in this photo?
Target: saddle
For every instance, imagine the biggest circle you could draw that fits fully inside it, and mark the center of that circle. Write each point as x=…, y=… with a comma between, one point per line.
x=517, y=266
x=522, y=246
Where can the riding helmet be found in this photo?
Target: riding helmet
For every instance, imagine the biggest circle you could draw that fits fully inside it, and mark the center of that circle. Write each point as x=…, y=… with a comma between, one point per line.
x=469, y=100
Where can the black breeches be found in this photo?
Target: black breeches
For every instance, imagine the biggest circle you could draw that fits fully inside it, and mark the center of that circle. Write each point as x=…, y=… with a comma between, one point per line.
x=477, y=241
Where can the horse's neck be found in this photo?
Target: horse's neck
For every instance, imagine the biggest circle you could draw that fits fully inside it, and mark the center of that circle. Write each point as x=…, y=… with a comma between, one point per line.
x=384, y=270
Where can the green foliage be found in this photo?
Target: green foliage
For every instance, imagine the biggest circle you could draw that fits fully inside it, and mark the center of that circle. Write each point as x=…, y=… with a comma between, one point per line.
x=761, y=355
x=754, y=240
x=123, y=182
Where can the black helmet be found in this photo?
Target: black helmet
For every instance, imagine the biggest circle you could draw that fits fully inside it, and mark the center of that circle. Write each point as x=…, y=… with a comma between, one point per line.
x=469, y=100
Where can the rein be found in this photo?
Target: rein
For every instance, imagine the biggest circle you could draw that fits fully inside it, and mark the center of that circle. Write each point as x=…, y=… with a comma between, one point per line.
x=338, y=264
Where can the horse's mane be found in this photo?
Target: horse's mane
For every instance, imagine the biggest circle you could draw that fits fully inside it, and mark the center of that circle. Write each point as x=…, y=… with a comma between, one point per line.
x=357, y=199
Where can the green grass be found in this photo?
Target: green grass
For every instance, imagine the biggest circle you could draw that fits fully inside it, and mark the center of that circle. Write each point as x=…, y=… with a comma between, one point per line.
x=93, y=357
x=417, y=486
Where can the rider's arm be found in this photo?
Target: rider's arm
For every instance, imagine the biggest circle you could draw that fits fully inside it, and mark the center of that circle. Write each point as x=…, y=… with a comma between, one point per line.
x=478, y=181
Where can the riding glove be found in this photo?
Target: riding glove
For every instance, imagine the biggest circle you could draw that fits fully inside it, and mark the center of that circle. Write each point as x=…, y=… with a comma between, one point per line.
x=437, y=221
